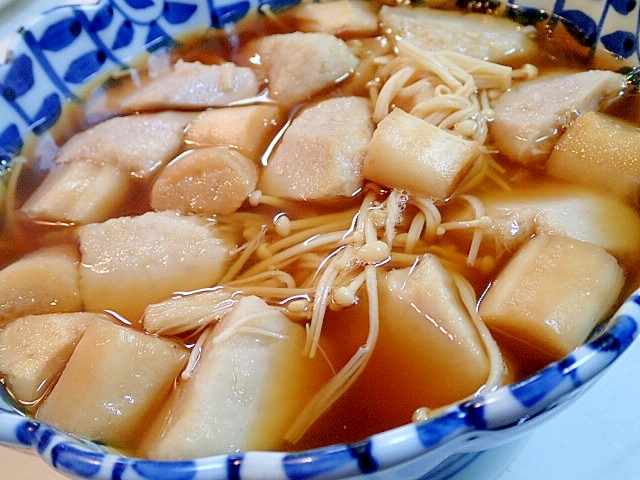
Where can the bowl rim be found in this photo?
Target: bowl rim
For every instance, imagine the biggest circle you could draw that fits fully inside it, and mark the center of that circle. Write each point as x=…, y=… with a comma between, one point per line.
x=464, y=422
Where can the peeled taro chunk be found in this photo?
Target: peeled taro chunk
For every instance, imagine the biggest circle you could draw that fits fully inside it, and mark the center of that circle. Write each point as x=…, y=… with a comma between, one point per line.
x=248, y=386
x=551, y=294
x=35, y=348
x=422, y=316
x=530, y=117
x=206, y=181
x=321, y=153
x=44, y=281
x=298, y=65
x=130, y=262
x=343, y=18
x=409, y=153
x=137, y=144
x=114, y=380
x=194, y=86
x=561, y=209
x=478, y=35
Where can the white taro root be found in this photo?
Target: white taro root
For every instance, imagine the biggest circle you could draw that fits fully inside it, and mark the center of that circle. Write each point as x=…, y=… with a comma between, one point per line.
x=530, y=117
x=45, y=281
x=343, y=18
x=115, y=378
x=486, y=37
x=248, y=128
x=130, y=262
x=79, y=192
x=299, y=65
x=411, y=154
x=321, y=153
x=35, y=348
x=194, y=86
x=205, y=181
x=551, y=295
x=247, y=387
x=137, y=144
x=602, y=152
x=561, y=209
x=423, y=323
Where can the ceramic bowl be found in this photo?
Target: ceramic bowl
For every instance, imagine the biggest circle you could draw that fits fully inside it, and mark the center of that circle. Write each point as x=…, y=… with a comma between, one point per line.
x=58, y=54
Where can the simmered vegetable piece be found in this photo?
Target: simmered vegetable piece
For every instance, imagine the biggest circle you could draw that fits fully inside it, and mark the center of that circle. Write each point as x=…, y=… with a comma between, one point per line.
x=485, y=37
x=205, y=181
x=602, y=152
x=421, y=312
x=194, y=86
x=571, y=211
x=299, y=65
x=551, y=294
x=409, y=153
x=428, y=347
x=530, y=117
x=35, y=348
x=137, y=144
x=115, y=377
x=249, y=128
x=79, y=192
x=45, y=281
x=321, y=153
x=250, y=382
x=343, y=18
x=129, y=262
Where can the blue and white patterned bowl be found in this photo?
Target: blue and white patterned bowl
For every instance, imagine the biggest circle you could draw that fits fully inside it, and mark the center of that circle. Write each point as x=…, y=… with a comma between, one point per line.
x=53, y=60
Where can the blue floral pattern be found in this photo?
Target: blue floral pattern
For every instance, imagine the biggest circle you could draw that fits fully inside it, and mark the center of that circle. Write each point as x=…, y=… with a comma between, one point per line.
x=609, y=24
x=53, y=61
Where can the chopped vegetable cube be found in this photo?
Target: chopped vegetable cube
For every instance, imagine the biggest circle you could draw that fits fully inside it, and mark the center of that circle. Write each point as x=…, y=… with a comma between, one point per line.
x=130, y=262
x=409, y=153
x=552, y=293
x=114, y=379
x=245, y=390
x=601, y=152
x=35, y=348
x=45, y=281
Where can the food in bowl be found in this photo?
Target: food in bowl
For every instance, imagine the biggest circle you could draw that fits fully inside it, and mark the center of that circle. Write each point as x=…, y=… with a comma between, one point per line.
x=256, y=240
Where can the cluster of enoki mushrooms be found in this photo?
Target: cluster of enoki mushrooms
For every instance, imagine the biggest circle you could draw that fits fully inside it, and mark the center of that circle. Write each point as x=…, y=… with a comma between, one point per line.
x=342, y=251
